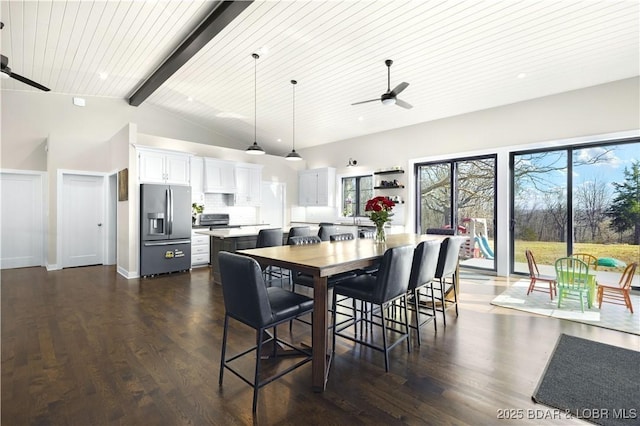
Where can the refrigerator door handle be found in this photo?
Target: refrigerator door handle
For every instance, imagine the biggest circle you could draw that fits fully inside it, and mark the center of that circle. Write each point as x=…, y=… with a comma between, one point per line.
x=166, y=243
x=169, y=212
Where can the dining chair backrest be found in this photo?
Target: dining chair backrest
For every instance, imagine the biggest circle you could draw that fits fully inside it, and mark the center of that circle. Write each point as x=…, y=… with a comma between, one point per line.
x=531, y=262
x=243, y=289
x=304, y=239
x=342, y=237
x=571, y=272
x=627, y=276
x=326, y=231
x=440, y=231
x=269, y=238
x=448, y=256
x=298, y=231
x=587, y=258
x=392, y=279
x=424, y=264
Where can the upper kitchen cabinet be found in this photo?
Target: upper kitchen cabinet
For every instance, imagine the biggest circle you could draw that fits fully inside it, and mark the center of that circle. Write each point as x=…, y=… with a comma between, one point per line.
x=317, y=187
x=197, y=180
x=159, y=166
x=219, y=176
x=248, y=184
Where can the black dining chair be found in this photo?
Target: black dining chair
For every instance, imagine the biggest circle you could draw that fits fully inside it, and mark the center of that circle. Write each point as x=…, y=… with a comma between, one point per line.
x=423, y=273
x=248, y=300
x=306, y=280
x=326, y=231
x=447, y=269
x=298, y=231
x=345, y=236
x=271, y=238
x=390, y=284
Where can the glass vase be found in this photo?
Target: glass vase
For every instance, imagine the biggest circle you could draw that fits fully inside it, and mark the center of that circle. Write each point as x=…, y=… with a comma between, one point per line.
x=380, y=237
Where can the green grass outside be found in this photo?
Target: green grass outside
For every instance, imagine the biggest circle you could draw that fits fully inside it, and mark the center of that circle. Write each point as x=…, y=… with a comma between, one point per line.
x=546, y=253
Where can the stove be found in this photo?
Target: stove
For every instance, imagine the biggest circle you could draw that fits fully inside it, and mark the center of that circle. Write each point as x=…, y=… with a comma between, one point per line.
x=216, y=220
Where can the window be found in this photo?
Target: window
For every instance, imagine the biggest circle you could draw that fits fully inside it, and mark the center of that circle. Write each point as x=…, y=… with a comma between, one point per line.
x=356, y=190
x=461, y=194
x=576, y=199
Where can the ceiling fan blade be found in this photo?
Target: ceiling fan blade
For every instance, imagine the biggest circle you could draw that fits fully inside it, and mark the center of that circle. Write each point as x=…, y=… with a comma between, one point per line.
x=29, y=82
x=370, y=100
x=403, y=104
x=399, y=88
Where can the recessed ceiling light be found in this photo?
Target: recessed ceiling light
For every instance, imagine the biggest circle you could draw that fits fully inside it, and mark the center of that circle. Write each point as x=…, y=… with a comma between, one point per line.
x=263, y=51
x=190, y=99
x=522, y=75
x=103, y=75
x=360, y=118
x=278, y=140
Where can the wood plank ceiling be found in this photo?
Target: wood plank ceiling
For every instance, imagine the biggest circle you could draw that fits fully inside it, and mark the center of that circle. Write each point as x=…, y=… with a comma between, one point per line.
x=458, y=56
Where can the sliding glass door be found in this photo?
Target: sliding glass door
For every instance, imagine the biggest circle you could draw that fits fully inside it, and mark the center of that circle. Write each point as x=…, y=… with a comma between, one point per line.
x=460, y=194
x=582, y=199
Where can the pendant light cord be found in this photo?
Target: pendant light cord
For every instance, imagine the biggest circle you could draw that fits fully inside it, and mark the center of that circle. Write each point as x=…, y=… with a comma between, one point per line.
x=255, y=97
x=293, y=82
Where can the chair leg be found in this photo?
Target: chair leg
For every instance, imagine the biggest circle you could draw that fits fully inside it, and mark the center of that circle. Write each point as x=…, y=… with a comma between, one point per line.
x=256, y=379
x=416, y=304
x=333, y=321
x=384, y=339
x=455, y=292
x=627, y=300
x=551, y=290
x=433, y=307
x=224, y=348
x=442, y=301
x=532, y=284
x=406, y=322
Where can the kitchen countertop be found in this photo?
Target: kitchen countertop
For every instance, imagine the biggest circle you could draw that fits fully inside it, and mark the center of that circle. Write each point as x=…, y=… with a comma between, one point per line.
x=244, y=231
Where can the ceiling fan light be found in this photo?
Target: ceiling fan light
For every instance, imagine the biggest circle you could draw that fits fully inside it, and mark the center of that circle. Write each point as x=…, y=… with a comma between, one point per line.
x=255, y=149
x=388, y=101
x=293, y=156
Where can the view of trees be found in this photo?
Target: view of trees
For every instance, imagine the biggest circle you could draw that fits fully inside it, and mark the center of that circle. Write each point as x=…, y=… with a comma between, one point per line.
x=625, y=210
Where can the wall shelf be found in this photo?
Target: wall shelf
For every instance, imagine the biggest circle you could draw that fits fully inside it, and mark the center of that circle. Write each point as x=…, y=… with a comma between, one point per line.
x=388, y=172
x=389, y=187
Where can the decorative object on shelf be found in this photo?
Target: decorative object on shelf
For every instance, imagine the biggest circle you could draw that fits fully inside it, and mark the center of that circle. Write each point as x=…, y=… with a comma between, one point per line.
x=196, y=210
x=352, y=162
x=255, y=149
x=293, y=155
x=379, y=210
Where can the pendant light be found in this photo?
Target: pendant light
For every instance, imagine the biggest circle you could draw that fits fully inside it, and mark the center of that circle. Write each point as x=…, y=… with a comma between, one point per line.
x=293, y=155
x=255, y=149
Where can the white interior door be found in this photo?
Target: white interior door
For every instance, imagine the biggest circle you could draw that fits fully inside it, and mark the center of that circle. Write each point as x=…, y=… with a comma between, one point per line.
x=83, y=220
x=21, y=220
x=273, y=203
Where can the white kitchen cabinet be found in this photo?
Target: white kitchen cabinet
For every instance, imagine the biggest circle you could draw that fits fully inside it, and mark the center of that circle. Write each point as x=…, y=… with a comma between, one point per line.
x=199, y=249
x=248, y=184
x=219, y=176
x=197, y=180
x=168, y=167
x=316, y=187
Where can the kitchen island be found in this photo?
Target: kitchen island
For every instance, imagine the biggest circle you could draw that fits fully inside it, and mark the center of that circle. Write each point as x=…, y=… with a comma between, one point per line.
x=231, y=240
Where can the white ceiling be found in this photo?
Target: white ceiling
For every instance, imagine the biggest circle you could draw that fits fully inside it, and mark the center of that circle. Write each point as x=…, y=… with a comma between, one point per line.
x=458, y=56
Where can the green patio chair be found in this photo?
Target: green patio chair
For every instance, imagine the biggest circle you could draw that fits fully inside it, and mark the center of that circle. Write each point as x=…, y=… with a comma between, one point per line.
x=573, y=280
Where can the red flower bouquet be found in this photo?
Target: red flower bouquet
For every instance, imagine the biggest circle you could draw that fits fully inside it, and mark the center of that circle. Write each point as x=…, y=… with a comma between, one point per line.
x=379, y=211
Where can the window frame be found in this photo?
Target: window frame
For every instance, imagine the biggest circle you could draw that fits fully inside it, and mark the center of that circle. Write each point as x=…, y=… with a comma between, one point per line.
x=358, y=202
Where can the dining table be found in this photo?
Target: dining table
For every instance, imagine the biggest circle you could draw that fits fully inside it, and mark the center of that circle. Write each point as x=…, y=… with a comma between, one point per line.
x=321, y=261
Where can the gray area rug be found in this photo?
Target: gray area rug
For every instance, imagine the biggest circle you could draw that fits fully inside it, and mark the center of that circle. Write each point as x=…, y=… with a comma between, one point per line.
x=591, y=381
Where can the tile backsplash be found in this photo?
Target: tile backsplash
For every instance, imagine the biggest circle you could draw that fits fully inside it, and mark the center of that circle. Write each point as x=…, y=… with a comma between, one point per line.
x=223, y=203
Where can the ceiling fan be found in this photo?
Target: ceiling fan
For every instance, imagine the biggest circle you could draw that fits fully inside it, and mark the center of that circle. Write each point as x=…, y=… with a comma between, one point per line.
x=4, y=68
x=390, y=96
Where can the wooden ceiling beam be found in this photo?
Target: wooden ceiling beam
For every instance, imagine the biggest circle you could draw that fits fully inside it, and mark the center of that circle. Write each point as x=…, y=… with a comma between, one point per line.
x=220, y=17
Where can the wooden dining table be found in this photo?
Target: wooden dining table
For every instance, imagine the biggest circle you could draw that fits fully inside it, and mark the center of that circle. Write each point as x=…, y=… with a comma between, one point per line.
x=321, y=261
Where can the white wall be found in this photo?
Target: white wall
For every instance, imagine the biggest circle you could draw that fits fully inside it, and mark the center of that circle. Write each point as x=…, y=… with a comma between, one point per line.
x=81, y=138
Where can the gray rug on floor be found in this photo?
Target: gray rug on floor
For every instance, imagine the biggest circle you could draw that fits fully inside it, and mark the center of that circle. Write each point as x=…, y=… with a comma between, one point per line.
x=592, y=381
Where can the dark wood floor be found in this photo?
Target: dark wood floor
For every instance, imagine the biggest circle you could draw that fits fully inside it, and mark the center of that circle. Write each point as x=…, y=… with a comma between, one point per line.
x=85, y=346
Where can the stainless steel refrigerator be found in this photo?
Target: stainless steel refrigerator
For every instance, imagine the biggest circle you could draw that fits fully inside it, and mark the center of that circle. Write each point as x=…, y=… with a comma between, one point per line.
x=165, y=229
